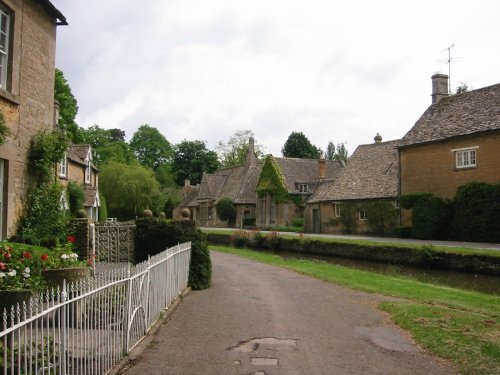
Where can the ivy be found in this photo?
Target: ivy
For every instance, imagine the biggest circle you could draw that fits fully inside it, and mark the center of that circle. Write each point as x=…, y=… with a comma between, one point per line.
x=4, y=129
x=76, y=197
x=46, y=150
x=271, y=181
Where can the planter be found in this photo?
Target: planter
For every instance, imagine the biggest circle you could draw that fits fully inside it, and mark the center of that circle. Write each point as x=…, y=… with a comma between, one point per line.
x=55, y=277
x=12, y=297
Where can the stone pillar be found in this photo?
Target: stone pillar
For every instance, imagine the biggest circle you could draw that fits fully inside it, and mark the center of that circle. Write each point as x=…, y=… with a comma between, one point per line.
x=80, y=228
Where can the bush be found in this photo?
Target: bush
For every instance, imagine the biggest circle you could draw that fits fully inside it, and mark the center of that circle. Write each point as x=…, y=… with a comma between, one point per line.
x=431, y=217
x=402, y=232
x=409, y=200
x=381, y=217
x=298, y=222
x=226, y=210
x=103, y=209
x=240, y=238
x=249, y=222
x=153, y=235
x=477, y=213
x=349, y=217
x=76, y=197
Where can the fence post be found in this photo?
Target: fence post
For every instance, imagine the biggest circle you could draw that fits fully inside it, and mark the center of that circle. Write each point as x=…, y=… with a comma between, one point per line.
x=91, y=256
x=146, y=315
x=63, y=348
x=127, y=309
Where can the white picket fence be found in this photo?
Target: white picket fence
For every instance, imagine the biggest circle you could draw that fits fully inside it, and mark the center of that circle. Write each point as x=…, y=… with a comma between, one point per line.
x=87, y=327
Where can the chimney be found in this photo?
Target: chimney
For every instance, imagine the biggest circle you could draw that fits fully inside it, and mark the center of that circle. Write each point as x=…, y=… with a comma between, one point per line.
x=439, y=87
x=187, y=187
x=251, y=159
x=321, y=167
x=378, y=138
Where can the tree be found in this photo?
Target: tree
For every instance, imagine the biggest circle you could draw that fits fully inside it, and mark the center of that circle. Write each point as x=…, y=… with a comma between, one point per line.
x=298, y=146
x=226, y=210
x=191, y=159
x=68, y=107
x=150, y=147
x=330, y=151
x=128, y=189
x=107, y=144
x=463, y=87
x=338, y=153
x=234, y=151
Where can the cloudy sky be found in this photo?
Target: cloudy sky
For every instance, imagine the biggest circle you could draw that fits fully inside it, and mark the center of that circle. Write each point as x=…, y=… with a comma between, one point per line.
x=334, y=70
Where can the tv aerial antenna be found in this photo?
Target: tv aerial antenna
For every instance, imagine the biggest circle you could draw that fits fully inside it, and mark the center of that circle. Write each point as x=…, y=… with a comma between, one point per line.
x=448, y=61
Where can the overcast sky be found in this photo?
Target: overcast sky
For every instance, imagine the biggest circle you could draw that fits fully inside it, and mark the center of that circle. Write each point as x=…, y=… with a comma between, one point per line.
x=334, y=70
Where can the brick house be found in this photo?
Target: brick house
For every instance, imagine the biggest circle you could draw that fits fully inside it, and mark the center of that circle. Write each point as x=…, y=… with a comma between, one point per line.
x=455, y=141
x=27, y=65
x=371, y=175
x=301, y=178
x=77, y=166
x=237, y=183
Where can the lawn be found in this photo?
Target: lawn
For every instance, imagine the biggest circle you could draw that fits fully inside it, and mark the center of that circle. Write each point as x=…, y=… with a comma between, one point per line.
x=458, y=325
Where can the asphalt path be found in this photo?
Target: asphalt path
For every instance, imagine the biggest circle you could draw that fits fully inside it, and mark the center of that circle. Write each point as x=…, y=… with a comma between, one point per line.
x=470, y=245
x=260, y=319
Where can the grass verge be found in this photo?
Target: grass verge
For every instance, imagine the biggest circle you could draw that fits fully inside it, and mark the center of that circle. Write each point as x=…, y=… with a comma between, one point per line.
x=461, y=326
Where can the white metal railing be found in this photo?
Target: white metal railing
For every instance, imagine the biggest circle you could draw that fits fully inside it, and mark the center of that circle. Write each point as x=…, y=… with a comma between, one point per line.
x=88, y=326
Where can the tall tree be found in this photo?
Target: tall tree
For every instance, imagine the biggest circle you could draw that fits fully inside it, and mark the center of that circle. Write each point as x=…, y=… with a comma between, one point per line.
x=151, y=147
x=107, y=144
x=330, y=151
x=341, y=154
x=68, y=107
x=234, y=151
x=298, y=146
x=191, y=159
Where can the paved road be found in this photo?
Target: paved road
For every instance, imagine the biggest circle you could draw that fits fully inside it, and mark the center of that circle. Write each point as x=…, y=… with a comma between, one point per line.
x=471, y=245
x=259, y=319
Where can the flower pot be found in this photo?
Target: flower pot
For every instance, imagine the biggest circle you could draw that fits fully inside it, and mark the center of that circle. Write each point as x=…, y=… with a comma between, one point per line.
x=55, y=277
x=12, y=297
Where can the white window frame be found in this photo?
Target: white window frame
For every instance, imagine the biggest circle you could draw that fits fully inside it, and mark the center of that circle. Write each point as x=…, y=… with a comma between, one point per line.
x=63, y=167
x=303, y=188
x=363, y=215
x=4, y=50
x=87, y=174
x=465, y=157
x=338, y=210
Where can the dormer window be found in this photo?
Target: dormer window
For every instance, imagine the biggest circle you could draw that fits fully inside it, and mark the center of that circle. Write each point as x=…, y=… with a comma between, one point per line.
x=87, y=174
x=63, y=167
x=465, y=157
x=303, y=188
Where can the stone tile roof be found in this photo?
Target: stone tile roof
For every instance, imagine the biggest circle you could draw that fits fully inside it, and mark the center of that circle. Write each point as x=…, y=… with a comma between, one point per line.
x=297, y=171
x=91, y=195
x=461, y=114
x=78, y=153
x=190, y=200
x=371, y=172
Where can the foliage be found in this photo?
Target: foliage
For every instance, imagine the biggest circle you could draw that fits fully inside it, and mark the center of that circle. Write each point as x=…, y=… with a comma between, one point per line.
x=298, y=146
x=76, y=197
x=165, y=176
x=103, y=209
x=338, y=153
x=42, y=221
x=68, y=107
x=226, y=210
x=271, y=181
x=273, y=240
x=463, y=87
x=152, y=236
x=409, y=200
x=349, y=217
x=168, y=208
x=249, y=222
x=150, y=147
x=298, y=222
x=477, y=213
x=128, y=189
x=4, y=129
x=239, y=238
x=402, y=232
x=381, y=217
x=431, y=217
x=107, y=144
x=46, y=150
x=191, y=159
x=234, y=151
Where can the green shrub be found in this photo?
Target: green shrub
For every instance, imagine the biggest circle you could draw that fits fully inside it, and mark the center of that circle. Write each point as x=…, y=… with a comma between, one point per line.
x=46, y=150
x=431, y=217
x=240, y=238
x=402, y=232
x=249, y=222
x=381, y=217
x=4, y=129
x=409, y=200
x=298, y=222
x=477, y=213
x=349, y=217
x=153, y=235
x=226, y=210
x=76, y=197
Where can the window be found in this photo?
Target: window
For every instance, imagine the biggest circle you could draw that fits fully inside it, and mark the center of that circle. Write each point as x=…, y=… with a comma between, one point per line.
x=4, y=45
x=63, y=167
x=302, y=188
x=465, y=158
x=363, y=215
x=87, y=174
x=338, y=210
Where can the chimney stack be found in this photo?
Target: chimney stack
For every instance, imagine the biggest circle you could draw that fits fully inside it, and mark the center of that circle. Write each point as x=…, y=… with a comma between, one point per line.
x=187, y=187
x=378, y=138
x=439, y=87
x=321, y=167
x=251, y=159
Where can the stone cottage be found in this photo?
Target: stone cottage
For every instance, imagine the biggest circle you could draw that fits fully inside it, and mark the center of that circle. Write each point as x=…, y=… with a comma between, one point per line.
x=27, y=69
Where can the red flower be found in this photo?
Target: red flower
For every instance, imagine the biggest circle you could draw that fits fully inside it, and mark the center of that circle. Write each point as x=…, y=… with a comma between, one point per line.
x=7, y=256
x=44, y=257
x=3, y=266
x=26, y=255
x=71, y=239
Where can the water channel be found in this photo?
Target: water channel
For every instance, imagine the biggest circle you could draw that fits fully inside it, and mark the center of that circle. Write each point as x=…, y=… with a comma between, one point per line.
x=469, y=281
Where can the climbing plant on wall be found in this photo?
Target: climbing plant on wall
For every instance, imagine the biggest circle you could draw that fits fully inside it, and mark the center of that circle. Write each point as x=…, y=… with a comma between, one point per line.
x=46, y=150
x=271, y=181
x=4, y=130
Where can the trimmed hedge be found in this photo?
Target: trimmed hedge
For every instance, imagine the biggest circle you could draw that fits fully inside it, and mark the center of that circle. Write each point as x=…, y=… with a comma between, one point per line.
x=153, y=235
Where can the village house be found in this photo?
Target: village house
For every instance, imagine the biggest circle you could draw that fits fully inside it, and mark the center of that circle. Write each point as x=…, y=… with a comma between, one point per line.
x=455, y=141
x=27, y=69
x=77, y=166
x=369, y=181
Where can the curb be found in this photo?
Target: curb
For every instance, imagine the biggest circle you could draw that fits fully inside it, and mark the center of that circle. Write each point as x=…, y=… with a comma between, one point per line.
x=133, y=356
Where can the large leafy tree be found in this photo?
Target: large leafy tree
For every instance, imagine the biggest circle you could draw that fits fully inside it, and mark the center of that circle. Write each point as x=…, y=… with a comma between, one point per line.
x=150, y=147
x=298, y=146
x=191, y=159
x=338, y=153
x=234, y=151
x=68, y=107
x=107, y=144
x=128, y=189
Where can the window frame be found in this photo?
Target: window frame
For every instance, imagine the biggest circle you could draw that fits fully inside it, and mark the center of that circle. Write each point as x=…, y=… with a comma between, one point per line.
x=465, y=157
x=63, y=167
x=337, y=209
x=303, y=188
x=363, y=215
x=5, y=52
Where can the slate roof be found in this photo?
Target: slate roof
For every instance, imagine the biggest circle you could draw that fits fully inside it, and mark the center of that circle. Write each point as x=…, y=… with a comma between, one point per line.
x=190, y=200
x=297, y=171
x=90, y=195
x=457, y=115
x=371, y=172
x=78, y=153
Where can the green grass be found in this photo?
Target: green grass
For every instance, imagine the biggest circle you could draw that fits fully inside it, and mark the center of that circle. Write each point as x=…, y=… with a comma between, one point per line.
x=408, y=245
x=461, y=326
